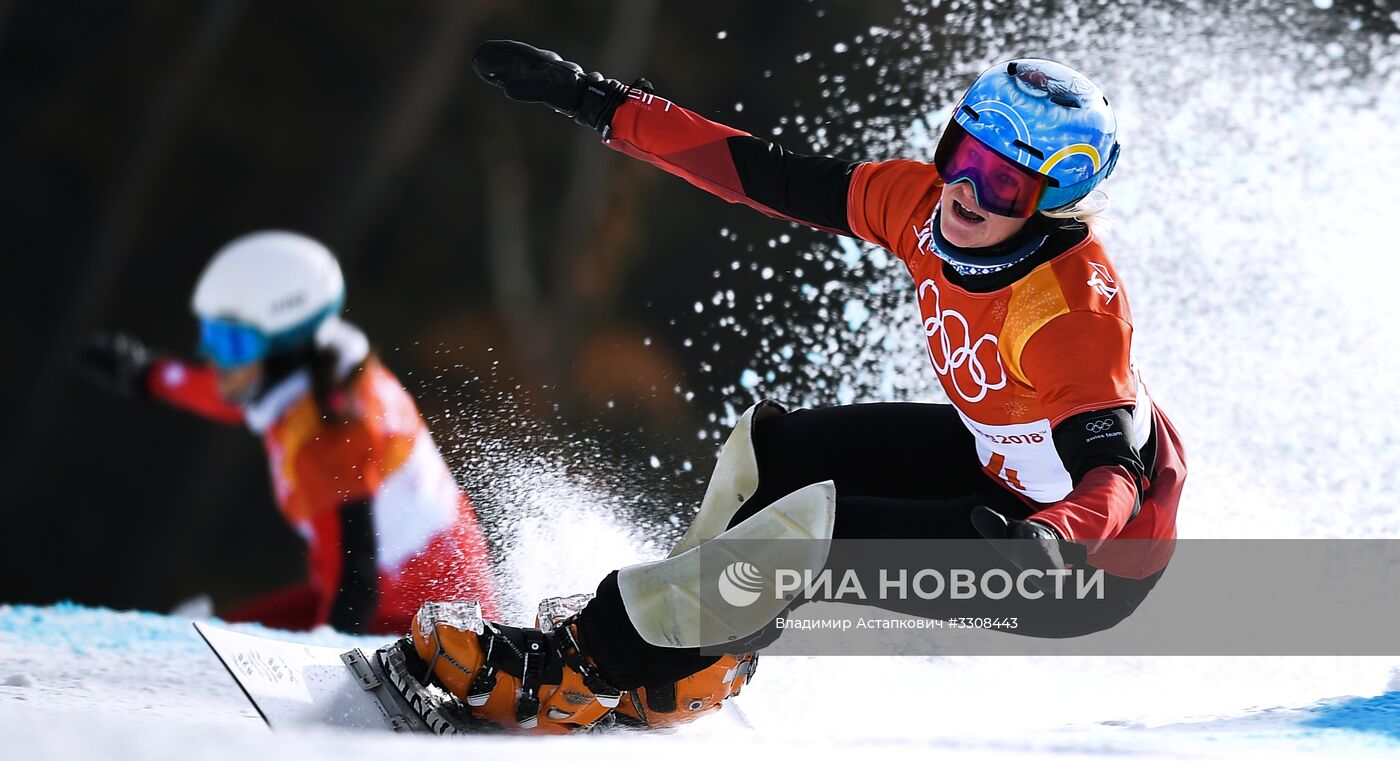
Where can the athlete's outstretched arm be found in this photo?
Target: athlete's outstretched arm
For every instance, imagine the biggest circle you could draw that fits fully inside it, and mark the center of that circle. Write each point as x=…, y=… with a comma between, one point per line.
x=733, y=165
x=729, y=163
x=191, y=387
x=125, y=366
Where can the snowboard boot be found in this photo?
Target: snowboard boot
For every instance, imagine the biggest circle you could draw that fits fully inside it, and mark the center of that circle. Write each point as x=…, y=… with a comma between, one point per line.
x=461, y=673
x=531, y=680
x=690, y=698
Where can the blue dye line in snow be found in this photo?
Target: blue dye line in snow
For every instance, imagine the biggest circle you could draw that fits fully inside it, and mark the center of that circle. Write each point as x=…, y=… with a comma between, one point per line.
x=1379, y=715
x=85, y=630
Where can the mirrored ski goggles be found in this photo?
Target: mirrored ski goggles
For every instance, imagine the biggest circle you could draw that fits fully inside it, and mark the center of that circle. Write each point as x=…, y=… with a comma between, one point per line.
x=229, y=344
x=1002, y=186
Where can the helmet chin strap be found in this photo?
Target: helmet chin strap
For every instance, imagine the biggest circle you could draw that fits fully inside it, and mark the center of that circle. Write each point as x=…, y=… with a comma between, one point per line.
x=970, y=262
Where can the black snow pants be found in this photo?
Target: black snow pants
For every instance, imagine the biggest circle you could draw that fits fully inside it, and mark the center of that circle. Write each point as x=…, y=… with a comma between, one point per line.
x=902, y=471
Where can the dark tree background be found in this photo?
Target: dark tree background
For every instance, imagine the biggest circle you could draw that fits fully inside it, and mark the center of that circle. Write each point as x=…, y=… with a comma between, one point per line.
x=493, y=251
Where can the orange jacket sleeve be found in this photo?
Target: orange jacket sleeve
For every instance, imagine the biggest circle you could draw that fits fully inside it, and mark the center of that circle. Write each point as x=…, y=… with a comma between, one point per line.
x=888, y=200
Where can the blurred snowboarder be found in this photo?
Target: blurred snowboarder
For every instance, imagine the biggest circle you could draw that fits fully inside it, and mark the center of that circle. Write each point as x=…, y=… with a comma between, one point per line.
x=354, y=468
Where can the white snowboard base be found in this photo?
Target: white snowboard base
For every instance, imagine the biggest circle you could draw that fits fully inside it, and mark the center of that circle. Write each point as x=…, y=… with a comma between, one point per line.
x=292, y=684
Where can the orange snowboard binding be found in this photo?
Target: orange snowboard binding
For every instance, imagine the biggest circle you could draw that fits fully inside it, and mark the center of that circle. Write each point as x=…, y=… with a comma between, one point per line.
x=465, y=674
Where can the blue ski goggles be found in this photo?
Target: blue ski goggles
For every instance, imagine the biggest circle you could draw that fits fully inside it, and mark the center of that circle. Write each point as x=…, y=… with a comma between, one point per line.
x=230, y=344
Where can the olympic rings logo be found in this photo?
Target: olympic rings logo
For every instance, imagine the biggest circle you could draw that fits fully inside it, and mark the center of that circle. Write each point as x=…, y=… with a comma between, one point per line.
x=964, y=356
x=1099, y=426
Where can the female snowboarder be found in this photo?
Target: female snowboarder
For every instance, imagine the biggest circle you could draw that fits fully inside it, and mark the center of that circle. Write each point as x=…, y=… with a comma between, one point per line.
x=353, y=466
x=1051, y=453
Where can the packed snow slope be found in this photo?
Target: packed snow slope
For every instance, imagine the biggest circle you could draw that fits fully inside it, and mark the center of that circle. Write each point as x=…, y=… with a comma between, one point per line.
x=81, y=683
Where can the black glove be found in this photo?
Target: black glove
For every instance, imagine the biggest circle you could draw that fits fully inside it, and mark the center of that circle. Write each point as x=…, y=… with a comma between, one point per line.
x=116, y=362
x=1032, y=546
x=532, y=75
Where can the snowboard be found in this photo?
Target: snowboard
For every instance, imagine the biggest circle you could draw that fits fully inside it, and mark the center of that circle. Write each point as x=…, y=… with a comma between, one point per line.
x=296, y=685
x=291, y=684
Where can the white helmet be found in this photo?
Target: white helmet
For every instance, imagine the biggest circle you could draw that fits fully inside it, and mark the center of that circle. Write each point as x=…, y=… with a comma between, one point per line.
x=264, y=293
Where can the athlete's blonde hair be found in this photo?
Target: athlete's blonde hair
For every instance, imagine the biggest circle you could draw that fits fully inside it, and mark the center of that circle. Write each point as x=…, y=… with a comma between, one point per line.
x=1087, y=211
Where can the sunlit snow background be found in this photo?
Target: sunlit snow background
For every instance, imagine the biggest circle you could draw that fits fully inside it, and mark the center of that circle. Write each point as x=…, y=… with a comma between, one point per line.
x=1253, y=224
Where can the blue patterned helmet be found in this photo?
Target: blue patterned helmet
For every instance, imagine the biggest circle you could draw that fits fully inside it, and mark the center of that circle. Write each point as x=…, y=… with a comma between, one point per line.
x=1048, y=118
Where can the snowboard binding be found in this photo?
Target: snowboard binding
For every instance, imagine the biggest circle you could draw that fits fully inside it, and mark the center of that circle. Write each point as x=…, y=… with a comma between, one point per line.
x=458, y=673
x=461, y=673
x=436, y=710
